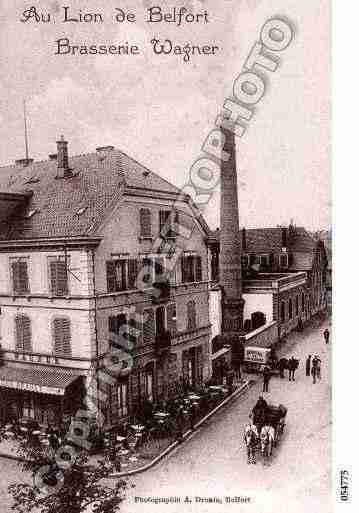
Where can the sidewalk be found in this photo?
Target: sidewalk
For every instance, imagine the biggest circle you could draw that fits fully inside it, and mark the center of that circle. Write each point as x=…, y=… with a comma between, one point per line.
x=141, y=460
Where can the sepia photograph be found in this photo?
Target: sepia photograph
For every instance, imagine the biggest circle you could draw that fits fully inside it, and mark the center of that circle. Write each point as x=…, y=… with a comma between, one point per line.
x=166, y=257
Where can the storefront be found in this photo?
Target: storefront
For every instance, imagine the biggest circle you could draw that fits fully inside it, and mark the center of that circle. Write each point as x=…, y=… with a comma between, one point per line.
x=41, y=394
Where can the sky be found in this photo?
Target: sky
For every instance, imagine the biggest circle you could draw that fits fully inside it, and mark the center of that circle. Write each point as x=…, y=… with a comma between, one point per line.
x=160, y=109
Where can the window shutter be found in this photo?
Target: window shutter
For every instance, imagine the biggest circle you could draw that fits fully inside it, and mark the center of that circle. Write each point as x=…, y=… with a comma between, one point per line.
x=185, y=370
x=23, y=333
x=191, y=315
x=164, y=227
x=199, y=364
x=148, y=326
x=58, y=278
x=199, y=269
x=145, y=222
x=171, y=318
x=132, y=273
x=20, y=277
x=62, y=336
x=111, y=276
x=183, y=269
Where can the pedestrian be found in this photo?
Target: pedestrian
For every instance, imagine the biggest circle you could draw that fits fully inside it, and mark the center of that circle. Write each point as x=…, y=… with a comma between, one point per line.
x=319, y=376
x=292, y=367
x=266, y=378
x=307, y=365
x=326, y=335
x=314, y=369
x=282, y=365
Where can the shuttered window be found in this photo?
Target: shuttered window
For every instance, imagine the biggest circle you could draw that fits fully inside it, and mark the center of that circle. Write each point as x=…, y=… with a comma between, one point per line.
x=58, y=277
x=171, y=318
x=132, y=273
x=62, y=336
x=20, y=277
x=148, y=326
x=165, y=215
x=191, y=315
x=198, y=269
x=23, y=333
x=145, y=222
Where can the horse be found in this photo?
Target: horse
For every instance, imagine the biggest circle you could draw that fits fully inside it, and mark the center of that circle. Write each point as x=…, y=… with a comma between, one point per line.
x=250, y=439
x=267, y=438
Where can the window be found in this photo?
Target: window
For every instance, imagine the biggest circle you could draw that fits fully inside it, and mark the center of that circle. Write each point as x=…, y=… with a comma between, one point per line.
x=28, y=409
x=168, y=221
x=23, y=333
x=171, y=317
x=160, y=320
x=121, y=274
x=20, y=278
x=290, y=308
x=122, y=398
x=145, y=222
x=118, y=327
x=303, y=301
x=282, y=311
x=148, y=326
x=149, y=382
x=264, y=260
x=62, y=336
x=283, y=260
x=58, y=276
x=191, y=268
x=245, y=261
x=153, y=270
x=297, y=306
x=191, y=315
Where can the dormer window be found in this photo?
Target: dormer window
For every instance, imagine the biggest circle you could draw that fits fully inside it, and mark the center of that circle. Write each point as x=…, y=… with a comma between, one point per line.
x=31, y=213
x=81, y=211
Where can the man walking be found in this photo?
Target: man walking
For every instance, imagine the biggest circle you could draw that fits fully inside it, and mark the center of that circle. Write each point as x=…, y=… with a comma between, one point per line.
x=326, y=335
x=307, y=365
x=314, y=369
x=292, y=367
x=266, y=378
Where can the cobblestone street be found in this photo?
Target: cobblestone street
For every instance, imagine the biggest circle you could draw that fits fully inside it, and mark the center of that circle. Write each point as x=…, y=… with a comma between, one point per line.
x=298, y=477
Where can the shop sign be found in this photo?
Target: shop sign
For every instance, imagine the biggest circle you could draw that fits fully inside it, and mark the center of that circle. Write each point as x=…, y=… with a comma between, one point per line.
x=31, y=387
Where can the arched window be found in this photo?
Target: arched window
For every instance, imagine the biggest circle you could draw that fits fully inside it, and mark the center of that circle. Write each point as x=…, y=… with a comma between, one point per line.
x=282, y=311
x=62, y=336
x=145, y=222
x=290, y=308
x=191, y=315
x=23, y=333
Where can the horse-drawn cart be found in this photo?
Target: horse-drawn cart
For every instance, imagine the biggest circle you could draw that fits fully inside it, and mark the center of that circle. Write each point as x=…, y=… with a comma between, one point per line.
x=266, y=430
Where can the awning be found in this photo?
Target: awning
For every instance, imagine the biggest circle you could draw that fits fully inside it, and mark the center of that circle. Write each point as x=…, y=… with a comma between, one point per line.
x=42, y=381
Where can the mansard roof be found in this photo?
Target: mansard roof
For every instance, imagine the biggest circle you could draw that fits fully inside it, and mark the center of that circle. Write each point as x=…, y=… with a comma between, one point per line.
x=75, y=206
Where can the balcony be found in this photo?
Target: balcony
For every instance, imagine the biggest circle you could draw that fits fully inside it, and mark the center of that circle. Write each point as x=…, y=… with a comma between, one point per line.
x=162, y=342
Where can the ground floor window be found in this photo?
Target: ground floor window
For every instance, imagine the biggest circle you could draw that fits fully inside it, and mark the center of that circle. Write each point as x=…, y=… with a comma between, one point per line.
x=192, y=366
x=122, y=397
x=28, y=409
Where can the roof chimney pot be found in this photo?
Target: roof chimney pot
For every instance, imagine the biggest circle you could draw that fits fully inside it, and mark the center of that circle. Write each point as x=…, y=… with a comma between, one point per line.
x=63, y=170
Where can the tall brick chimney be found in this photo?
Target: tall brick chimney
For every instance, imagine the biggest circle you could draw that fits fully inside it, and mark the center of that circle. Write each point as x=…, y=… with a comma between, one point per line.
x=63, y=169
x=230, y=265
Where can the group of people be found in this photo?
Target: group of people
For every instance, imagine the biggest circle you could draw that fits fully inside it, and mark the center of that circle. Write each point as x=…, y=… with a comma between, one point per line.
x=313, y=367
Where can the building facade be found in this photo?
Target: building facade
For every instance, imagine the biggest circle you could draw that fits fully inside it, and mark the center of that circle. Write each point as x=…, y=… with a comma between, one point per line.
x=96, y=249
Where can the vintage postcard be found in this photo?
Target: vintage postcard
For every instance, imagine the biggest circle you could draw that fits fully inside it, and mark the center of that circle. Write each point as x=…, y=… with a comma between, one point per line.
x=166, y=257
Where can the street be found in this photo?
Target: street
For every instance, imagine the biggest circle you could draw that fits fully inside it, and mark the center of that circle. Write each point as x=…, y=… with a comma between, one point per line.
x=213, y=462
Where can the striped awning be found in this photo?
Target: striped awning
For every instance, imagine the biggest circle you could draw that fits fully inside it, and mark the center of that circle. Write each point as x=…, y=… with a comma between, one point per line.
x=40, y=380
